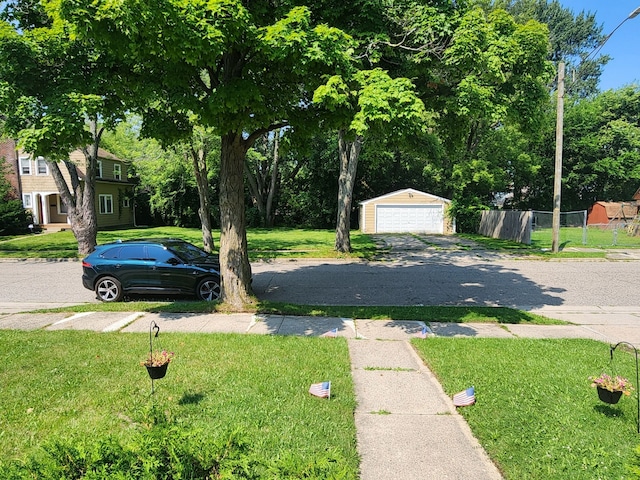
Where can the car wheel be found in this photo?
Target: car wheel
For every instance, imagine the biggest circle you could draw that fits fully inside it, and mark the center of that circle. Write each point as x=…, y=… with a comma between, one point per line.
x=108, y=289
x=209, y=289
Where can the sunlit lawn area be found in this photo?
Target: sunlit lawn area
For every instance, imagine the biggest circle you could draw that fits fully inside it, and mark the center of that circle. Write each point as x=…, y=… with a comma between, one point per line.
x=536, y=414
x=262, y=243
x=84, y=386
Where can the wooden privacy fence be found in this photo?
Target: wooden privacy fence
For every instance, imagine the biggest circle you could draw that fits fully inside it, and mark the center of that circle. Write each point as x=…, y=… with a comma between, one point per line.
x=512, y=225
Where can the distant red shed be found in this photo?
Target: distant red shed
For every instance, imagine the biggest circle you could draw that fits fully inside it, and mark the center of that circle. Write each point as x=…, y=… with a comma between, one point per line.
x=607, y=213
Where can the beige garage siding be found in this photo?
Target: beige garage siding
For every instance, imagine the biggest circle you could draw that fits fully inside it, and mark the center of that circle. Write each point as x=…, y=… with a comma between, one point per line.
x=408, y=197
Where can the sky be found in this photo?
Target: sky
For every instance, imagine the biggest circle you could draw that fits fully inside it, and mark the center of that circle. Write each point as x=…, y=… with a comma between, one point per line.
x=624, y=45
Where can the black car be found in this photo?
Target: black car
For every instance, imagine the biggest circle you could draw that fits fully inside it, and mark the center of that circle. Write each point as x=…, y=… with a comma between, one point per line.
x=165, y=265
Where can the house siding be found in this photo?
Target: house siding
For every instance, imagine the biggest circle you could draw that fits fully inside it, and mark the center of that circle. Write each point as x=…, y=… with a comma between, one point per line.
x=44, y=192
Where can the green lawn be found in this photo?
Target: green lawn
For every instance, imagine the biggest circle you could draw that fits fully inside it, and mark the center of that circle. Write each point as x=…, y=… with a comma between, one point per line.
x=536, y=414
x=83, y=386
x=595, y=238
x=262, y=243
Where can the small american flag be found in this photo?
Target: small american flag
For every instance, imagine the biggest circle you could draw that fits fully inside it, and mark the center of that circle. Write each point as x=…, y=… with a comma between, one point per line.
x=426, y=331
x=465, y=397
x=331, y=333
x=322, y=390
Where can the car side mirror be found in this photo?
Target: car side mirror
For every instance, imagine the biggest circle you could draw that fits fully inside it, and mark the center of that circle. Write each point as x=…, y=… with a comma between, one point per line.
x=173, y=261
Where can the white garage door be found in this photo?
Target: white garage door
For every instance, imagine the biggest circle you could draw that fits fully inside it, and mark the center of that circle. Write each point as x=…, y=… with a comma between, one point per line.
x=409, y=218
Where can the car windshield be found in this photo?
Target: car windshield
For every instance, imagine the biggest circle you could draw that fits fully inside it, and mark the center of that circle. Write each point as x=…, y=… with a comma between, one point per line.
x=187, y=252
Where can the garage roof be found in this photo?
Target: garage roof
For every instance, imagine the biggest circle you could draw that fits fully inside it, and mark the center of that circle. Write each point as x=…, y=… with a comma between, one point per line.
x=406, y=190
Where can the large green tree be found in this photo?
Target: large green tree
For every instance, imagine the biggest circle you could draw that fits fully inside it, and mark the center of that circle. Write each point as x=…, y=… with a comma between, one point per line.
x=56, y=96
x=602, y=148
x=367, y=104
x=242, y=68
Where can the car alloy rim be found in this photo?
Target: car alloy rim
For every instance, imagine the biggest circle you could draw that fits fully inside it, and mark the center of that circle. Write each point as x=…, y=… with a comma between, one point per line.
x=107, y=290
x=210, y=290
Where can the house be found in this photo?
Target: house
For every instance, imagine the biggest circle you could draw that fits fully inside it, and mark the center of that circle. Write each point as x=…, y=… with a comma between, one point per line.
x=612, y=213
x=113, y=190
x=406, y=210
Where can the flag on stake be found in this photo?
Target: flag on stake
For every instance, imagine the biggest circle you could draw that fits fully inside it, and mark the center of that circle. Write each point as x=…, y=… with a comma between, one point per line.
x=331, y=333
x=426, y=331
x=465, y=397
x=322, y=390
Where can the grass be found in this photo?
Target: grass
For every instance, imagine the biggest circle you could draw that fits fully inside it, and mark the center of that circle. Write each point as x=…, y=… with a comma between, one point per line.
x=536, y=414
x=262, y=243
x=596, y=238
x=83, y=385
x=451, y=314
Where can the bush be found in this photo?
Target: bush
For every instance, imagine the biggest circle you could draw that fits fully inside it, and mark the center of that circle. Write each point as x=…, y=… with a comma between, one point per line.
x=164, y=449
x=13, y=217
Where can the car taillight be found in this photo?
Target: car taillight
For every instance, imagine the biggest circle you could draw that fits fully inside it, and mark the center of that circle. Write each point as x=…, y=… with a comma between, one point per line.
x=86, y=264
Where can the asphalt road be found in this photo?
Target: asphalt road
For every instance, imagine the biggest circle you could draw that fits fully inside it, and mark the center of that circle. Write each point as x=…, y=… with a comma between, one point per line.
x=413, y=276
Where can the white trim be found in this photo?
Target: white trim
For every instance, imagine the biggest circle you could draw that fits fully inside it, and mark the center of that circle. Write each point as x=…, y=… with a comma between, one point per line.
x=99, y=172
x=29, y=202
x=28, y=160
x=108, y=199
x=60, y=204
x=46, y=167
x=117, y=176
x=406, y=190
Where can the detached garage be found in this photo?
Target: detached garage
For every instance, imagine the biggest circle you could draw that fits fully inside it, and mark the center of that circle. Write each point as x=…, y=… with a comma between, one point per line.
x=406, y=210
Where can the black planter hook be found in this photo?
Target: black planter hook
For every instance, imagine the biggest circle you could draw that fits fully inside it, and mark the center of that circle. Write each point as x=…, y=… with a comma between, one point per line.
x=152, y=326
x=611, y=350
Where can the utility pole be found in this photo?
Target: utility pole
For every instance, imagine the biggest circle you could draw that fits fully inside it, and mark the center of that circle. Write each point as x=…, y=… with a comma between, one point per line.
x=557, y=176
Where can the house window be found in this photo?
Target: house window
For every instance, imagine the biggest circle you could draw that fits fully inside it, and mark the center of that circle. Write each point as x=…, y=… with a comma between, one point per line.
x=117, y=171
x=99, y=172
x=125, y=203
x=41, y=166
x=27, y=201
x=106, y=204
x=25, y=166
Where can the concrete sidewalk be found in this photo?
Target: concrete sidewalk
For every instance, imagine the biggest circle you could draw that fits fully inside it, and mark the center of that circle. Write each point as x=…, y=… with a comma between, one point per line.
x=407, y=427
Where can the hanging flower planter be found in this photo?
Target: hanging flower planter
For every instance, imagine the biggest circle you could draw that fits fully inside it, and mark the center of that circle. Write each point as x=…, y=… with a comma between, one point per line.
x=607, y=396
x=156, y=362
x=157, y=372
x=610, y=389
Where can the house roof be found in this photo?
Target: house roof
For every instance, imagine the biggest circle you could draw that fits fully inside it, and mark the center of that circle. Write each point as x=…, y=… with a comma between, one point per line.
x=620, y=209
x=636, y=196
x=410, y=191
x=102, y=153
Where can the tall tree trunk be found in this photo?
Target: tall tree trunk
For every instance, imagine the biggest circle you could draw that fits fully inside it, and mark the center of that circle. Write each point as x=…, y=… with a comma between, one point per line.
x=79, y=198
x=234, y=259
x=269, y=216
x=349, y=153
x=199, y=158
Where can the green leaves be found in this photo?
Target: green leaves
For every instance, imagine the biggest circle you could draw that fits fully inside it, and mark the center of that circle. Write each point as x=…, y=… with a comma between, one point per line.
x=372, y=99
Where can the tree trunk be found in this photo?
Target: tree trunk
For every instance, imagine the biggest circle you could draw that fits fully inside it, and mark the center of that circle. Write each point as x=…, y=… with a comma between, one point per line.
x=199, y=158
x=349, y=153
x=234, y=259
x=269, y=216
x=79, y=198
